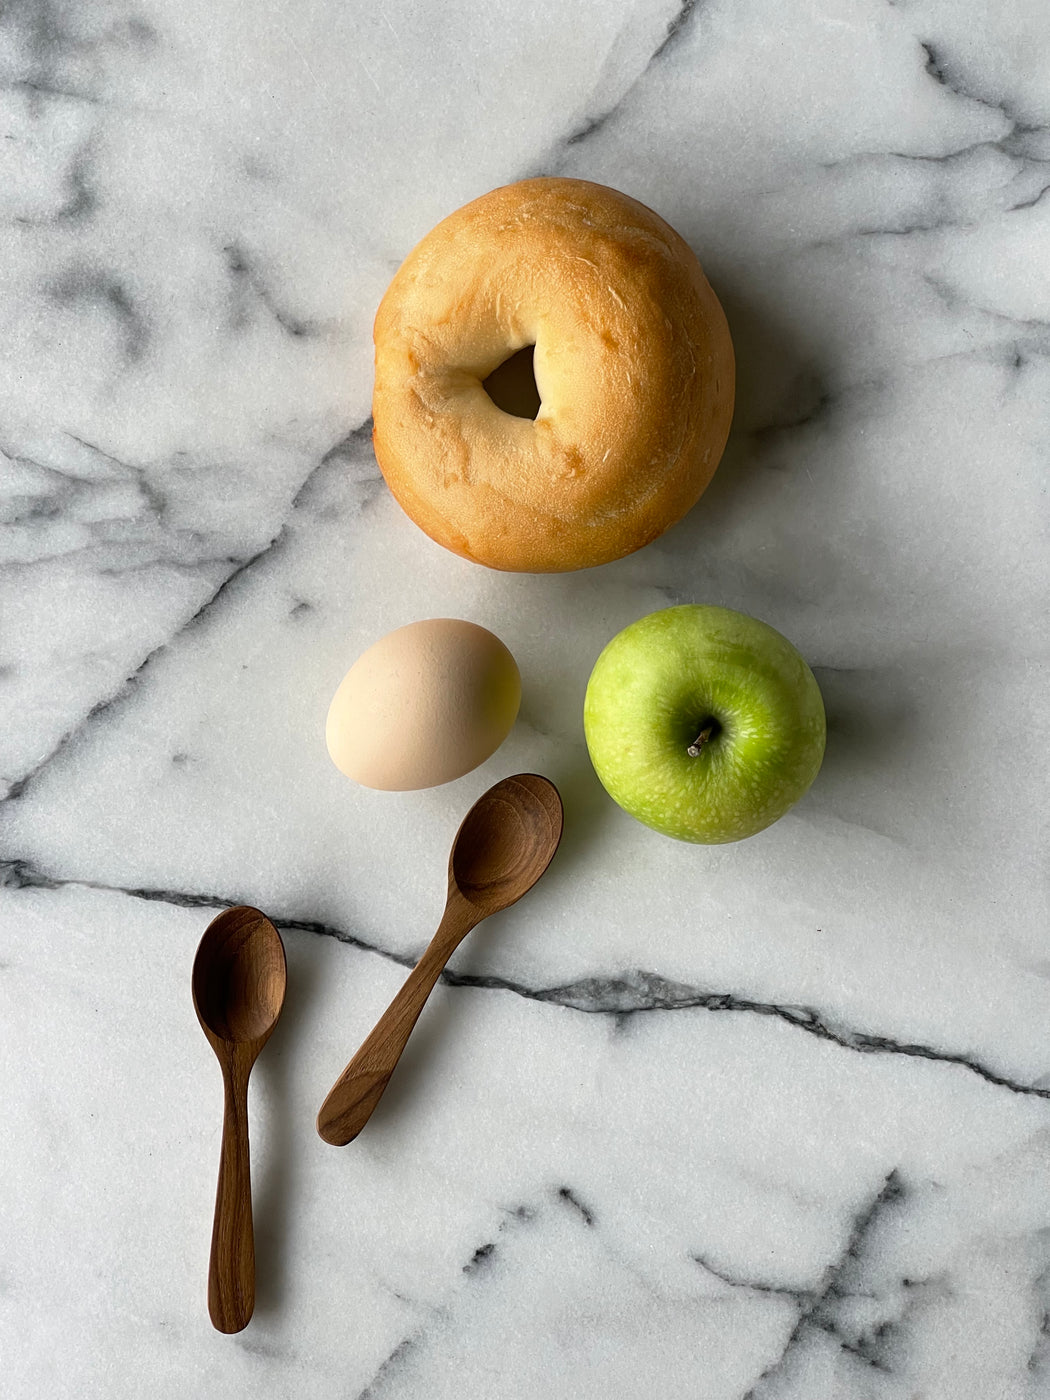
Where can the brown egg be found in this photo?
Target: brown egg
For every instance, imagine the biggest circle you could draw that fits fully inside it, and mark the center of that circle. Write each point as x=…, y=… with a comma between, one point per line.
x=425, y=704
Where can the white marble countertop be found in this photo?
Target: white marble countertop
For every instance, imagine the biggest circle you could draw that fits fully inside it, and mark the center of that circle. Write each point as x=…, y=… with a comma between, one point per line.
x=769, y=1120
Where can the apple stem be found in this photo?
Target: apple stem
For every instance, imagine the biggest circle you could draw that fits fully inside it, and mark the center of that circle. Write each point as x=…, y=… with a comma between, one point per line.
x=698, y=743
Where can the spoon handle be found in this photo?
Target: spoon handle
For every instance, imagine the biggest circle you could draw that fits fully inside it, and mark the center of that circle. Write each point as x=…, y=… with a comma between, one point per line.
x=231, y=1273
x=354, y=1095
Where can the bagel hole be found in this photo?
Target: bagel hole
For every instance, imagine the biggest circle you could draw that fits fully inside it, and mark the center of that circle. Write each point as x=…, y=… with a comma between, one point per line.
x=512, y=385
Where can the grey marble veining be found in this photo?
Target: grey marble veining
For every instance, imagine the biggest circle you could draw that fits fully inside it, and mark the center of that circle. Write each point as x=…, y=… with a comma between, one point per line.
x=762, y=1122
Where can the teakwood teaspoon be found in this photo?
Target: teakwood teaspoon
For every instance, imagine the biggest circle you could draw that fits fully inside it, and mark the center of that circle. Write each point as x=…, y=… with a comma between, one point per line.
x=239, y=980
x=505, y=843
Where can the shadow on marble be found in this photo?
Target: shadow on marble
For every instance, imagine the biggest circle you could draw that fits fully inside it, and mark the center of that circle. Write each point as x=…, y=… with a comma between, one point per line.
x=876, y=739
x=280, y=1133
x=872, y=719
x=782, y=389
x=588, y=808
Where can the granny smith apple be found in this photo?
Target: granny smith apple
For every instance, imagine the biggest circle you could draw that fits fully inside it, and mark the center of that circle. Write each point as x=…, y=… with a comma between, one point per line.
x=704, y=723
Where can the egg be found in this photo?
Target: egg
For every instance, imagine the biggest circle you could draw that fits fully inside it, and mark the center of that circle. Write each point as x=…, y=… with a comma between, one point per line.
x=425, y=704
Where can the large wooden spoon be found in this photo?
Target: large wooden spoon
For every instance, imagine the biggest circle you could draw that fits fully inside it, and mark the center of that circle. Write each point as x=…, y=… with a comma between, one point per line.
x=506, y=841
x=239, y=979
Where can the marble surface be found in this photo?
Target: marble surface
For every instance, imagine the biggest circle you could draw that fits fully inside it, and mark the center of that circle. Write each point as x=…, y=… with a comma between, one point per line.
x=765, y=1121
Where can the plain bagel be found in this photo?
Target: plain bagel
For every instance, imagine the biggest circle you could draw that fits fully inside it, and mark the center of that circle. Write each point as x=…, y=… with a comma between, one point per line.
x=633, y=363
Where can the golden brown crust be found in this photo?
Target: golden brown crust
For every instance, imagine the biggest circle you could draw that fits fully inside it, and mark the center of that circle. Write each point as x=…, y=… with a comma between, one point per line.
x=633, y=362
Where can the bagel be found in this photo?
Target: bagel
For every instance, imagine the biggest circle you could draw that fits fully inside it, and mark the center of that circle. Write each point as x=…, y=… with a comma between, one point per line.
x=633, y=363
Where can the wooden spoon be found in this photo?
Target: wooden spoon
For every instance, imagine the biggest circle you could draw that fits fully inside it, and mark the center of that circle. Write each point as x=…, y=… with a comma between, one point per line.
x=239, y=979
x=506, y=841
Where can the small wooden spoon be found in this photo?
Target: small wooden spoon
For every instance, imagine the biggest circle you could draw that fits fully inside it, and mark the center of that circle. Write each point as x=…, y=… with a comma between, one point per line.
x=239, y=979
x=506, y=841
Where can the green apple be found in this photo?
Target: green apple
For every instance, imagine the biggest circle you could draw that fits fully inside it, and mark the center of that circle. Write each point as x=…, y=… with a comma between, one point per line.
x=703, y=723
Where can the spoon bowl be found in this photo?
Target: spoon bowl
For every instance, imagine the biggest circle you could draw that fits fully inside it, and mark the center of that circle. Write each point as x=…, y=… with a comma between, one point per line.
x=504, y=844
x=506, y=841
x=238, y=983
x=239, y=977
